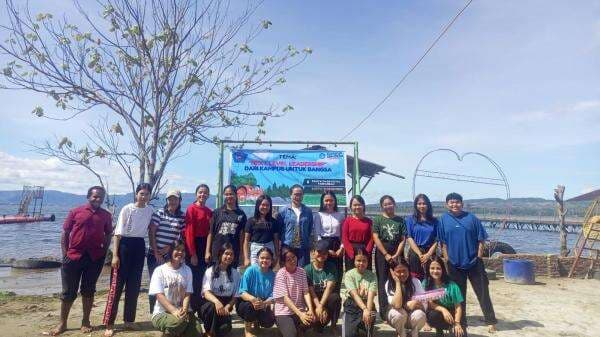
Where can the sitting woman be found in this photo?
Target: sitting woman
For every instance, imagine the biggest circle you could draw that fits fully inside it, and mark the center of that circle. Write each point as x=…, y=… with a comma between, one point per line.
x=219, y=291
x=361, y=287
x=256, y=294
x=293, y=307
x=402, y=312
x=445, y=313
x=171, y=283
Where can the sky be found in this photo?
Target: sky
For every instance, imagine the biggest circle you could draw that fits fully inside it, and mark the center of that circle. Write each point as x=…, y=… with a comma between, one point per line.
x=518, y=81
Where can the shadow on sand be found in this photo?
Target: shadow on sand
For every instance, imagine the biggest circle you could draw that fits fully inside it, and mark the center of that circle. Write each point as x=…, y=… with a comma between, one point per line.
x=504, y=325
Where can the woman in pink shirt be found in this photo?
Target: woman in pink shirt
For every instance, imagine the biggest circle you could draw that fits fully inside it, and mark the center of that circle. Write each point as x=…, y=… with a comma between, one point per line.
x=356, y=232
x=293, y=307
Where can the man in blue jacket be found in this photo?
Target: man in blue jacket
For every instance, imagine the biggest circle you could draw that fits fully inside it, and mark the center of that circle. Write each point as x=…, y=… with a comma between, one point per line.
x=462, y=237
x=295, y=223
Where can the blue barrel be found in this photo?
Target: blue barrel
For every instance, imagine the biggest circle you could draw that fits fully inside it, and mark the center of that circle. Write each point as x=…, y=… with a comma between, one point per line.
x=519, y=271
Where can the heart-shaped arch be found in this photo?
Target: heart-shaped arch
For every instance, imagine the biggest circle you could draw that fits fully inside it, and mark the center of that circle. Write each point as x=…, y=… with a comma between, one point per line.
x=461, y=157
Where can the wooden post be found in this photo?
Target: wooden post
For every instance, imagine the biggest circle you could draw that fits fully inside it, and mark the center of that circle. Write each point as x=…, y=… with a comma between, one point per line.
x=559, y=192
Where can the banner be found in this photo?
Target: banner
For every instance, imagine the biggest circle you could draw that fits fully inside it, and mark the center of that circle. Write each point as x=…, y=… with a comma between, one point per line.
x=273, y=172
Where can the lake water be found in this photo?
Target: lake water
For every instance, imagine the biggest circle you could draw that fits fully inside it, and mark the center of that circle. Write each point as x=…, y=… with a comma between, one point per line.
x=42, y=239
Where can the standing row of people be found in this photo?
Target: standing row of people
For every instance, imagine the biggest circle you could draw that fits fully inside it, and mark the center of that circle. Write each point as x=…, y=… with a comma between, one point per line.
x=226, y=239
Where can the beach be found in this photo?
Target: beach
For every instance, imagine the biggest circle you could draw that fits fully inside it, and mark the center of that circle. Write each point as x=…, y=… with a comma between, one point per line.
x=551, y=307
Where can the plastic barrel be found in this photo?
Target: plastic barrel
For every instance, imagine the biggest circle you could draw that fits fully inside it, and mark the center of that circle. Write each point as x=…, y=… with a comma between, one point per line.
x=519, y=271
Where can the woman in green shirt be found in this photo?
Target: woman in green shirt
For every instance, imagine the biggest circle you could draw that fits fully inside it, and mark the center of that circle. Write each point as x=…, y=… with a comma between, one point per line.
x=389, y=231
x=446, y=312
x=361, y=287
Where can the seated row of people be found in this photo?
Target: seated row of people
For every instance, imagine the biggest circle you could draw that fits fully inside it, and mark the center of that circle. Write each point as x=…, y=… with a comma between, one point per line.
x=297, y=299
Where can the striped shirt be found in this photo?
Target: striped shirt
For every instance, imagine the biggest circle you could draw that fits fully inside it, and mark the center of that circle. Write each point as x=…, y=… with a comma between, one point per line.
x=293, y=285
x=170, y=227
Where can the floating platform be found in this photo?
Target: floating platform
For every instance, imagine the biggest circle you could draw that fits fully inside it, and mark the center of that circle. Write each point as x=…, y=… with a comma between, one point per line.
x=10, y=219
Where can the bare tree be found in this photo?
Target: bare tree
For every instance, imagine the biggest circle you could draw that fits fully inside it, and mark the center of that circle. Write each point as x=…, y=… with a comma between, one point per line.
x=159, y=74
x=559, y=193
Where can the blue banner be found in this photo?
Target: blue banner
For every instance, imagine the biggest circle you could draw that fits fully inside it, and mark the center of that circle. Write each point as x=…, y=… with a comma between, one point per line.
x=273, y=172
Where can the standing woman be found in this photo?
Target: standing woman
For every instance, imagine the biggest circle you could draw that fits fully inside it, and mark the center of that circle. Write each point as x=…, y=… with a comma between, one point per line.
x=220, y=287
x=293, y=307
x=256, y=294
x=261, y=231
x=328, y=226
x=197, y=227
x=389, y=231
x=422, y=229
x=403, y=312
x=165, y=229
x=356, y=232
x=227, y=226
x=129, y=250
x=447, y=312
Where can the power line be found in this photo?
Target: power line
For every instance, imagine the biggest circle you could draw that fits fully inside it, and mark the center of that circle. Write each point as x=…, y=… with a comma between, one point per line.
x=409, y=71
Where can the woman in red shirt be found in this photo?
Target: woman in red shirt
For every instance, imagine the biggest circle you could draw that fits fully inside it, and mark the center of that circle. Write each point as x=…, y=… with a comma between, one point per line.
x=197, y=224
x=356, y=232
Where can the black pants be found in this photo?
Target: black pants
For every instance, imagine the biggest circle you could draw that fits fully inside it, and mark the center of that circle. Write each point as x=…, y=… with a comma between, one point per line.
x=197, y=272
x=480, y=283
x=83, y=270
x=246, y=311
x=334, y=244
x=350, y=262
x=290, y=325
x=436, y=320
x=353, y=320
x=381, y=269
x=213, y=323
x=333, y=306
x=131, y=255
x=416, y=268
x=152, y=264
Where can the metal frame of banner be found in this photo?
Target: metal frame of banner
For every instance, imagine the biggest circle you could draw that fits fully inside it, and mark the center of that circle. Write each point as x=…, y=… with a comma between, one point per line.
x=222, y=142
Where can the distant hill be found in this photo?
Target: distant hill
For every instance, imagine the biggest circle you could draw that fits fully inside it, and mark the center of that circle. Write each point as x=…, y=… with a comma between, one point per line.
x=518, y=206
x=63, y=199
x=587, y=196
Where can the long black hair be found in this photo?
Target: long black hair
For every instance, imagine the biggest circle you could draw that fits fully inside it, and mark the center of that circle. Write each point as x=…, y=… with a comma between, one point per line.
x=430, y=283
x=268, y=250
x=234, y=190
x=201, y=186
x=429, y=213
x=322, y=206
x=409, y=287
x=143, y=186
x=259, y=200
x=217, y=266
x=284, y=251
x=360, y=201
x=175, y=245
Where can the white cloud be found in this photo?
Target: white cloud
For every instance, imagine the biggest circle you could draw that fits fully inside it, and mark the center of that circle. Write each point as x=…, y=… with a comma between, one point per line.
x=579, y=110
x=55, y=175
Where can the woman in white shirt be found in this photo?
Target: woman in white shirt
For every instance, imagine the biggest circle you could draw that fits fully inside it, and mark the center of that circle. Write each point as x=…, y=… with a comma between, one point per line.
x=171, y=283
x=220, y=290
x=402, y=311
x=328, y=226
x=129, y=251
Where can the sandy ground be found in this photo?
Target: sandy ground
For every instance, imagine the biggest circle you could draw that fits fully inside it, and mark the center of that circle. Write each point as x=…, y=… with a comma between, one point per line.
x=552, y=307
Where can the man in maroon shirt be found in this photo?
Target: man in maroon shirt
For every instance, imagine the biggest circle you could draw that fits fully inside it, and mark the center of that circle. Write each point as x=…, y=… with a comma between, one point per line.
x=84, y=241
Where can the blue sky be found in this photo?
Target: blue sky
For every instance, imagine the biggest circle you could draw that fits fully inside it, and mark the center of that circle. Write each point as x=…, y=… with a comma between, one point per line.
x=516, y=80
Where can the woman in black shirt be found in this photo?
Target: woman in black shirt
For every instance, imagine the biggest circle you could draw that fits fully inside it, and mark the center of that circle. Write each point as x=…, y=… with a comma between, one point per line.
x=227, y=226
x=261, y=231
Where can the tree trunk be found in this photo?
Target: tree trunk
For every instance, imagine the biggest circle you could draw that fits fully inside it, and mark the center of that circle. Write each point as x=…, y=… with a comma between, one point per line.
x=559, y=192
